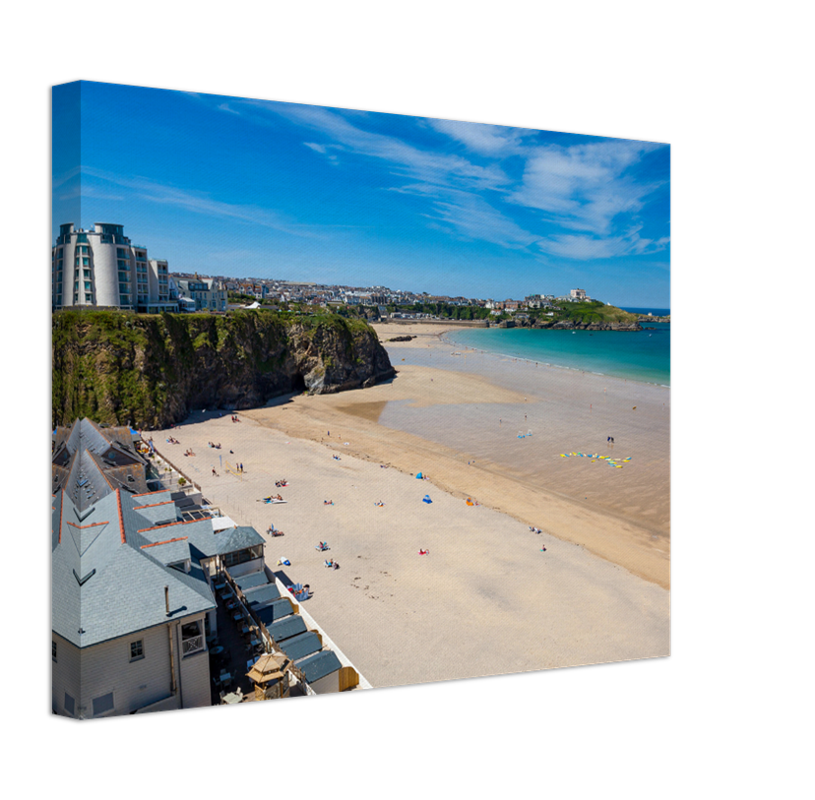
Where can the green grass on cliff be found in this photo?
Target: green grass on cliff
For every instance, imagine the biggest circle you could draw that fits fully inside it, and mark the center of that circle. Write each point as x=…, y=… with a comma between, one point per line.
x=589, y=312
x=118, y=367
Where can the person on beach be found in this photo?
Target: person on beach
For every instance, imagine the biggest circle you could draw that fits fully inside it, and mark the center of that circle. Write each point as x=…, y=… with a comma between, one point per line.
x=214, y=472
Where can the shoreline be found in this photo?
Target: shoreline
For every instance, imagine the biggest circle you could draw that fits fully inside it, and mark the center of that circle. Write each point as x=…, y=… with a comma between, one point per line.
x=619, y=536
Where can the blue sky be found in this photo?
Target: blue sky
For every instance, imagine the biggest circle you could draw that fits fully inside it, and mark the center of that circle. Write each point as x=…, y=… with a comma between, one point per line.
x=241, y=187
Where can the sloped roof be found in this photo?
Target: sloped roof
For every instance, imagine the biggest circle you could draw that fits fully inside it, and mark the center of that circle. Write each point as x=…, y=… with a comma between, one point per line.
x=286, y=628
x=261, y=596
x=319, y=665
x=246, y=582
x=272, y=612
x=111, y=546
x=106, y=583
x=90, y=462
x=302, y=645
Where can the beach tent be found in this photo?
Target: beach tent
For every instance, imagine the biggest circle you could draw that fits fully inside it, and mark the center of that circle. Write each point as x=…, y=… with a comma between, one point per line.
x=426, y=499
x=419, y=475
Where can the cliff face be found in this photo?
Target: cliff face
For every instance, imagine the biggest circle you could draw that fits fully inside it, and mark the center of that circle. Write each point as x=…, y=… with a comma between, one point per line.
x=152, y=370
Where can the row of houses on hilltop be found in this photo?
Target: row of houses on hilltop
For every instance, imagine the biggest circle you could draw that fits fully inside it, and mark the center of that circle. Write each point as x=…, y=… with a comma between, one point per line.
x=101, y=267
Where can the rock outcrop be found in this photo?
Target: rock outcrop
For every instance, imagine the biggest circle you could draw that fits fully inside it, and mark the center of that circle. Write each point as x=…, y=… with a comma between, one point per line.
x=568, y=324
x=152, y=370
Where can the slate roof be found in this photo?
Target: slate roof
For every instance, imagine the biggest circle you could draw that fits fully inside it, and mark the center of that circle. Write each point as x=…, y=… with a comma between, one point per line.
x=251, y=580
x=90, y=462
x=106, y=585
x=319, y=665
x=111, y=545
x=286, y=628
x=302, y=645
x=261, y=596
x=274, y=611
x=110, y=564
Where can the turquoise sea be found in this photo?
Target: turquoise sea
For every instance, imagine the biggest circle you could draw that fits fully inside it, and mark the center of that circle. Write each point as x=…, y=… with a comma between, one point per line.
x=641, y=356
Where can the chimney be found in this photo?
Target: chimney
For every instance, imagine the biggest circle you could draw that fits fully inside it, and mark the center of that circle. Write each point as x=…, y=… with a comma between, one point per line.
x=167, y=599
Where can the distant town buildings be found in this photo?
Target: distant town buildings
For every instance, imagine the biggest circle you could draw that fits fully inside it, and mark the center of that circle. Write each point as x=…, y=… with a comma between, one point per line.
x=101, y=267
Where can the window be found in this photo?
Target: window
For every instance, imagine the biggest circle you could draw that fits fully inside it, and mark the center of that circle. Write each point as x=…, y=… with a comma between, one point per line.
x=137, y=650
x=53, y=651
x=69, y=704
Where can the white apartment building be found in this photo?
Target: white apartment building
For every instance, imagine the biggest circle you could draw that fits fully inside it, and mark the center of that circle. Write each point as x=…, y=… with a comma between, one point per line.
x=101, y=267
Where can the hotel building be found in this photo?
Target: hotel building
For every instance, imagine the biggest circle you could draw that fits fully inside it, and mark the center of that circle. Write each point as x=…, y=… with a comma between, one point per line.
x=102, y=268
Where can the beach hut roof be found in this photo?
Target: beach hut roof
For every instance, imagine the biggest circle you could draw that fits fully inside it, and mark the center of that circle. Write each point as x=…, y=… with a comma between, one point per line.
x=319, y=665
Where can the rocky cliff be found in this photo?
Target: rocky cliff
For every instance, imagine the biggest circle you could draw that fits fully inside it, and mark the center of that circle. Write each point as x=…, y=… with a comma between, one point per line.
x=568, y=324
x=152, y=370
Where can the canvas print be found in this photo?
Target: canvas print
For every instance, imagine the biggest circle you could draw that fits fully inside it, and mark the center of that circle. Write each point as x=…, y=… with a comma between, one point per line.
x=345, y=399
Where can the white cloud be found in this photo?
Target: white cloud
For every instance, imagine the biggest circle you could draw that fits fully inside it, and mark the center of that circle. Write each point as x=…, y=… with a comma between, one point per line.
x=585, y=198
x=583, y=247
x=487, y=140
x=200, y=203
x=472, y=217
x=584, y=187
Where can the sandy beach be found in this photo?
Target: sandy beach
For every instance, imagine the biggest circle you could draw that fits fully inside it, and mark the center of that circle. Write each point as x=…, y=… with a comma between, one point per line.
x=485, y=599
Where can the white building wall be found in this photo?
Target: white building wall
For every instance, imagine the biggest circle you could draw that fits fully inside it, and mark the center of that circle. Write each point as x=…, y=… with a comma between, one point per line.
x=142, y=684
x=107, y=668
x=68, y=255
x=104, y=266
x=105, y=272
x=195, y=678
x=65, y=675
x=328, y=684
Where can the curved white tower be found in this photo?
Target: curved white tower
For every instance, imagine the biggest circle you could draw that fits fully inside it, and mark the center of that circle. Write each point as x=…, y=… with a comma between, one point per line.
x=101, y=267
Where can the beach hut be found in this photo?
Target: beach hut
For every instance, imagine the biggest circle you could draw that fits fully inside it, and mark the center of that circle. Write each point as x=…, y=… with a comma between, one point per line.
x=324, y=673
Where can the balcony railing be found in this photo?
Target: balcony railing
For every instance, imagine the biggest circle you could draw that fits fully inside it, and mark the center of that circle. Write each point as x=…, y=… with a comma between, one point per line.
x=192, y=645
